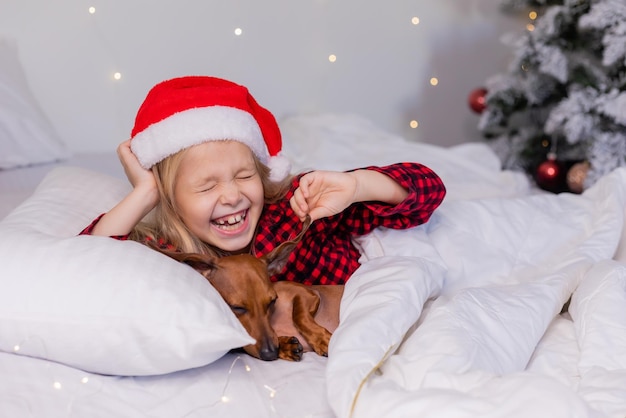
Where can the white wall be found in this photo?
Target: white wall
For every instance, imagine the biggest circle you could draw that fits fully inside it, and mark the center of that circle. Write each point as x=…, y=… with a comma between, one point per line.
x=383, y=67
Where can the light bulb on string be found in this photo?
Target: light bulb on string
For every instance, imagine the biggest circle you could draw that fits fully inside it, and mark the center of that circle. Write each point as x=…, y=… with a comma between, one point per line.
x=272, y=391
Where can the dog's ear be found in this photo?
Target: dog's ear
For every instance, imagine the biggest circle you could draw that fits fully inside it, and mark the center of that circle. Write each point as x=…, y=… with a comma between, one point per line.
x=278, y=257
x=203, y=263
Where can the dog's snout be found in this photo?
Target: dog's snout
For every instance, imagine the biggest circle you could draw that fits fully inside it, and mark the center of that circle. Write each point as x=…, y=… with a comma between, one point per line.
x=268, y=355
x=269, y=351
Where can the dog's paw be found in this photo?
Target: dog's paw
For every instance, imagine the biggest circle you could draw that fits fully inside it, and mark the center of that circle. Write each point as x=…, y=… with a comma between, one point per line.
x=322, y=350
x=290, y=349
x=320, y=345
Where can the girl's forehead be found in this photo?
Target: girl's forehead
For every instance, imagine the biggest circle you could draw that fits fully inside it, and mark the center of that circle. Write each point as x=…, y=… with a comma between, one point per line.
x=215, y=157
x=228, y=151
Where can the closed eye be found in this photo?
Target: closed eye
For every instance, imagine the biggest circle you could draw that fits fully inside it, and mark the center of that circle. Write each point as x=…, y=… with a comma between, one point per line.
x=208, y=188
x=239, y=310
x=246, y=173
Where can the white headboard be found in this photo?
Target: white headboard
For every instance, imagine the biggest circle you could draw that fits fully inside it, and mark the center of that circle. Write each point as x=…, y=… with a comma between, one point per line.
x=384, y=58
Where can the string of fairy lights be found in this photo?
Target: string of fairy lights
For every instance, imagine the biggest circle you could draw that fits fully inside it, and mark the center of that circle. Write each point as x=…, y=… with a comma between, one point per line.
x=239, y=364
x=81, y=387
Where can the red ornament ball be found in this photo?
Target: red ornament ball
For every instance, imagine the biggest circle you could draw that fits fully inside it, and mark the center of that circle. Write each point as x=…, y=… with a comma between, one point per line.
x=477, y=100
x=550, y=175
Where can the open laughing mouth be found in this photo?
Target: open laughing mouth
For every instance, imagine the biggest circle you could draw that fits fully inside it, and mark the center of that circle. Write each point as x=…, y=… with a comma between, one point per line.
x=231, y=222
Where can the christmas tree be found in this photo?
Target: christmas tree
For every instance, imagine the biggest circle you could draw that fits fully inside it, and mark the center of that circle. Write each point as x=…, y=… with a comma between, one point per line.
x=560, y=112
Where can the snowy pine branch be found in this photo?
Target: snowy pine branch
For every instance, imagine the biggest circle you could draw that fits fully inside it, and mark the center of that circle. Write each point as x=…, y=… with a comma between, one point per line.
x=565, y=89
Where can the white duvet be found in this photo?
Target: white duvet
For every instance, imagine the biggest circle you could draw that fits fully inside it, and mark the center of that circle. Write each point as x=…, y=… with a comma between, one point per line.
x=493, y=275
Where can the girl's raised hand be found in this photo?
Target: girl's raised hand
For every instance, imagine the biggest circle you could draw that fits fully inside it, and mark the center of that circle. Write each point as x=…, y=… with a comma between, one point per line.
x=144, y=196
x=136, y=174
x=324, y=193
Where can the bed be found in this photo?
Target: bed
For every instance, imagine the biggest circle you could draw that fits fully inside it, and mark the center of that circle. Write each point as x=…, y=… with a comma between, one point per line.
x=460, y=317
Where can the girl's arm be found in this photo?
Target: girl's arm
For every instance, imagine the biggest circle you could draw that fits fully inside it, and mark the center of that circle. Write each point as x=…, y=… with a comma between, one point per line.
x=142, y=199
x=373, y=186
x=326, y=193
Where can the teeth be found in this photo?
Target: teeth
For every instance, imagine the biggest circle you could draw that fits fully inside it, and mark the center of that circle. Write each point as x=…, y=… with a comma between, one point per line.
x=232, y=220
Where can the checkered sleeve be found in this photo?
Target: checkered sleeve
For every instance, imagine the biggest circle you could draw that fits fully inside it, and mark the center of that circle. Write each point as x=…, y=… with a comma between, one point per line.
x=149, y=241
x=426, y=193
x=425, y=189
x=89, y=230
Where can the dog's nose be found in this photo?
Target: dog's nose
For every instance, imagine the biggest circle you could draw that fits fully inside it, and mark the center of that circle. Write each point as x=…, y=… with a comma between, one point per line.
x=269, y=353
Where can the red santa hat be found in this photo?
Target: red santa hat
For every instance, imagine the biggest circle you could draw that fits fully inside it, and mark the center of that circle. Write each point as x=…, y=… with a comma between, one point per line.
x=187, y=111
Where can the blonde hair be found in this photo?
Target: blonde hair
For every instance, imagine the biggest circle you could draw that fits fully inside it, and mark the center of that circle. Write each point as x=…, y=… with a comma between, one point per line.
x=164, y=222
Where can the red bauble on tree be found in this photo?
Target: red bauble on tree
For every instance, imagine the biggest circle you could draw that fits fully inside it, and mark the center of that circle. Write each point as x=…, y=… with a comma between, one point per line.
x=550, y=174
x=476, y=100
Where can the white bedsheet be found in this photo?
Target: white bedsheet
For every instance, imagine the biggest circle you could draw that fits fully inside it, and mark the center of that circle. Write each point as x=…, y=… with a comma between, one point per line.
x=234, y=386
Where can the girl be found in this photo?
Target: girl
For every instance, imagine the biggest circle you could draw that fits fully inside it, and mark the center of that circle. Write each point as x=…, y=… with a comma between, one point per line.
x=204, y=157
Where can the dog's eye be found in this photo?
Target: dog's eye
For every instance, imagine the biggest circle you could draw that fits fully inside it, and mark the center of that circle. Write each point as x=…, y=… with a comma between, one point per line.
x=239, y=310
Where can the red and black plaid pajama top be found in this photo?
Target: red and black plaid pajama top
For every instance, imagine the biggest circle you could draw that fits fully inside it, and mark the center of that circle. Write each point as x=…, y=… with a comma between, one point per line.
x=326, y=254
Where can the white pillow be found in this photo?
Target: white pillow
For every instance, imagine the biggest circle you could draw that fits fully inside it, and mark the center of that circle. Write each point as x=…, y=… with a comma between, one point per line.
x=98, y=304
x=26, y=135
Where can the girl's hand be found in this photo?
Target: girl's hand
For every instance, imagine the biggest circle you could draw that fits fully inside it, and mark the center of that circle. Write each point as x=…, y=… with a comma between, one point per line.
x=138, y=176
x=122, y=218
x=324, y=193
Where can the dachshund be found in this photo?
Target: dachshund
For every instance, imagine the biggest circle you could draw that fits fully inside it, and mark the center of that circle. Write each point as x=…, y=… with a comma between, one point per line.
x=285, y=318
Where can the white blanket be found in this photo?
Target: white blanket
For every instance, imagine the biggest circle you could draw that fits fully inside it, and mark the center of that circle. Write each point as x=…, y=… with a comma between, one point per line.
x=492, y=342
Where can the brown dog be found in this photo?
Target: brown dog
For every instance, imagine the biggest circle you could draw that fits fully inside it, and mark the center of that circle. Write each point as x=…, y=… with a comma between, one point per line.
x=285, y=318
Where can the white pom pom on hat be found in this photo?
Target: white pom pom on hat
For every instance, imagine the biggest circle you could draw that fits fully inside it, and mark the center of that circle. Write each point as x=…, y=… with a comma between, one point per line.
x=191, y=110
